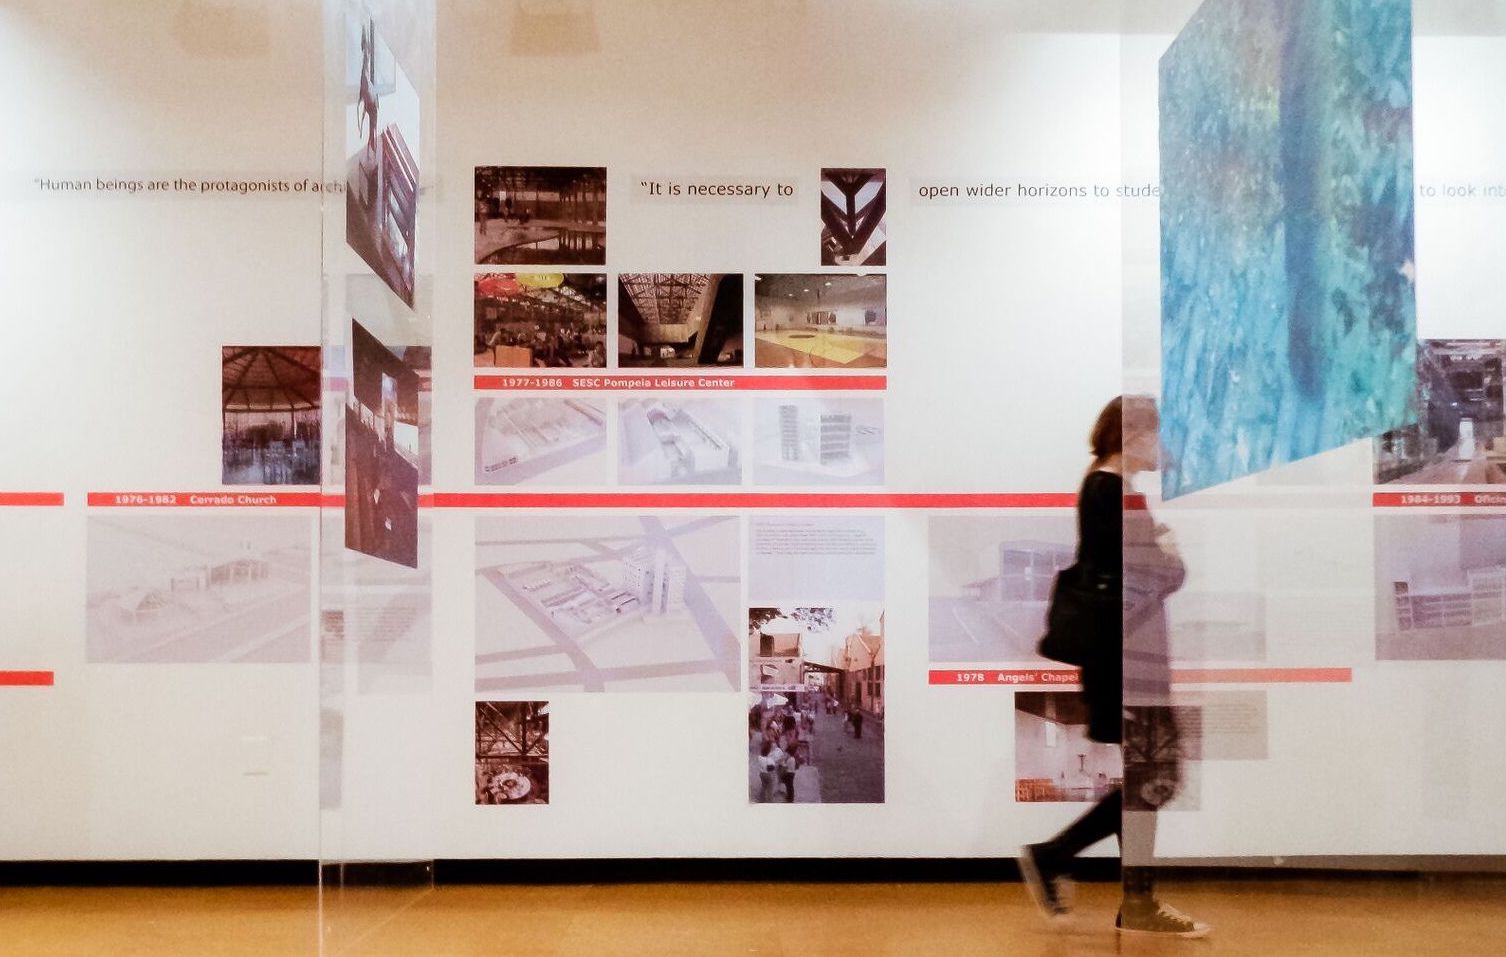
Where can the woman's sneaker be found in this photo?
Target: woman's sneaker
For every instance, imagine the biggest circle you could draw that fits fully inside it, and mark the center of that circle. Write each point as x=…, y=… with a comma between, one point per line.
x=1048, y=888
x=1153, y=918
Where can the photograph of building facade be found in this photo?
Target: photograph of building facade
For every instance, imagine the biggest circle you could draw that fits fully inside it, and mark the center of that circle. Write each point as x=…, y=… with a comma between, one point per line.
x=541, y=215
x=540, y=320
x=512, y=752
x=527, y=439
x=382, y=130
x=679, y=441
x=673, y=320
x=1460, y=435
x=1054, y=760
x=854, y=231
x=820, y=321
x=816, y=441
x=607, y=603
x=1440, y=587
x=816, y=704
x=180, y=589
x=270, y=399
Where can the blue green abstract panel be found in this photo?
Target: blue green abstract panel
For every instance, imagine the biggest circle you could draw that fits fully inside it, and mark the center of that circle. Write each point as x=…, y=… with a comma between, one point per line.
x=1288, y=319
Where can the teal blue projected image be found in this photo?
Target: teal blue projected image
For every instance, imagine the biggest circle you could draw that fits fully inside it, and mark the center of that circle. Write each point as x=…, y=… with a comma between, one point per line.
x=1288, y=317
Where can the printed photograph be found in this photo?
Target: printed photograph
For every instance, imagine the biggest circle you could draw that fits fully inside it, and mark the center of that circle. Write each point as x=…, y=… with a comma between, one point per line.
x=197, y=589
x=540, y=320
x=381, y=453
x=820, y=321
x=608, y=603
x=991, y=577
x=806, y=440
x=541, y=215
x=679, y=320
x=1054, y=760
x=512, y=752
x=269, y=415
x=816, y=704
x=1288, y=313
x=678, y=441
x=1440, y=587
x=524, y=439
x=1460, y=435
x=853, y=231
x=381, y=141
x=377, y=616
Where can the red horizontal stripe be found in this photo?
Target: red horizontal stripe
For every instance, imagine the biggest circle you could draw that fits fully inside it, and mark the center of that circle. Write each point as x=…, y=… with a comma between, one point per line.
x=1068, y=676
x=752, y=500
x=26, y=499
x=26, y=679
x=1450, y=498
x=523, y=380
x=224, y=499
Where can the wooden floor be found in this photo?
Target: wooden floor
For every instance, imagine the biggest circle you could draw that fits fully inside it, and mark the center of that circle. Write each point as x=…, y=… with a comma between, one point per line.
x=1373, y=918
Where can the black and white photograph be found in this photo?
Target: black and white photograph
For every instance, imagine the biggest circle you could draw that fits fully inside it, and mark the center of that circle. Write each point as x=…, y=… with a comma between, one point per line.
x=608, y=603
x=270, y=415
x=381, y=453
x=381, y=146
x=820, y=321
x=816, y=704
x=1460, y=435
x=672, y=440
x=679, y=320
x=853, y=208
x=512, y=752
x=197, y=589
x=525, y=439
x=541, y=215
x=1440, y=587
x=540, y=320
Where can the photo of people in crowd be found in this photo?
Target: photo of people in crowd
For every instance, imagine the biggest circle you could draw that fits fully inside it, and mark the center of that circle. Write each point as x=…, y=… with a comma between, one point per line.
x=381, y=143
x=541, y=215
x=381, y=453
x=269, y=412
x=816, y=705
x=540, y=320
x=512, y=752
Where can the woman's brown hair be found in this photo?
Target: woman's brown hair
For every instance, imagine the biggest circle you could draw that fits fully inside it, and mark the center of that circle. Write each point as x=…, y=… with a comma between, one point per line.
x=1107, y=437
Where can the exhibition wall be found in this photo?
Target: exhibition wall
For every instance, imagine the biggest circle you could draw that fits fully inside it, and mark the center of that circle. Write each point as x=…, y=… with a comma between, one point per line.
x=543, y=597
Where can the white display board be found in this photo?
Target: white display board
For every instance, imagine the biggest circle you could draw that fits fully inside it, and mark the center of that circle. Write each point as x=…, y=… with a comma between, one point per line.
x=862, y=492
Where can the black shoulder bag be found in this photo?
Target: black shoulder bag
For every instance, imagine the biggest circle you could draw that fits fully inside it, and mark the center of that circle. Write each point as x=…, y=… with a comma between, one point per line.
x=1084, y=605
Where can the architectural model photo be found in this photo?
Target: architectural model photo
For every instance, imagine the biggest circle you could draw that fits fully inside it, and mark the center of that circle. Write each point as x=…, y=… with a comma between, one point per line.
x=541, y=215
x=853, y=227
x=381, y=143
x=540, y=320
x=607, y=603
x=670, y=320
x=1440, y=587
x=673, y=440
x=820, y=321
x=816, y=725
x=818, y=441
x=1287, y=304
x=381, y=453
x=526, y=439
x=196, y=589
x=1460, y=435
x=270, y=414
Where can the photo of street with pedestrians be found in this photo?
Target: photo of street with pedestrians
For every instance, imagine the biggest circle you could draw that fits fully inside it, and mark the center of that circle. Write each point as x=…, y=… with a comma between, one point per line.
x=816, y=705
x=607, y=603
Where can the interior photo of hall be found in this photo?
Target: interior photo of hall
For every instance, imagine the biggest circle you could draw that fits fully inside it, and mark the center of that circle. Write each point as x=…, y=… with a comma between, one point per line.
x=853, y=227
x=382, y=130
x=1460, y=436
x=1440, y=587
x=270, y=415
x=1054, y=759
x=672, y=320
x=540, y=320
x=381, y=453
x=541, y=215
x=820, y=321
